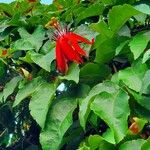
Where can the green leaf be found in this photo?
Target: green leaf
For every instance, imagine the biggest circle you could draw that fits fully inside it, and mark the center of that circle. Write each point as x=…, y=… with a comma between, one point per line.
x=6, y=8
x=132, y=76
x=84, y=147
x=72, y=74
x=146, y=145
x=121, y=46
x=141, y=18
x=2, y=70
x=44, y=61
x=142, y=100
x=84, y=108
x=96, y=141
x=59, y=119
x=134, y=144
x=141, y=111
x=86, y=32
x=93, y=10
x=40, y=102
x=106, y=50
x=22, y=44
x=143, y=8
x=108, y=2
x=10, y=86
x=47, y=47
x=1, y=96
x=109, y=136
x=139, y=43
x=117, y=114
x=102, y=28
x=118, y=15
x=146, y=56
x=93, y=71
x=124, y=31
x=145, y=83
x=30, y=41
x=27, y=90
x=27, y=58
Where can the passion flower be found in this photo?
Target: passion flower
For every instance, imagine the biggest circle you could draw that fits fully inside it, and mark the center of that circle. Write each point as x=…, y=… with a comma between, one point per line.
x=67, y=47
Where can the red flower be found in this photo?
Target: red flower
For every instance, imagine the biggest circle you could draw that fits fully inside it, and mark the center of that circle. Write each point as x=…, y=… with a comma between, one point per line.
x=68, y=48
x=4, y=52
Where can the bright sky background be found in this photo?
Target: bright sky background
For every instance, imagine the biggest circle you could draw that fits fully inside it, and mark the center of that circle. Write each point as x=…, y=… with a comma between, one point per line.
x=42, y=1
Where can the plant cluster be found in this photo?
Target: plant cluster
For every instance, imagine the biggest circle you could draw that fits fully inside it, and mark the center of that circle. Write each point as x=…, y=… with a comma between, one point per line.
x=89, y=91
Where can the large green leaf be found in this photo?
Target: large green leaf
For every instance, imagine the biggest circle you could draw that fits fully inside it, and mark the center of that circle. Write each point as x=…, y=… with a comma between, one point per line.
x=72, y=74
x=113, y=108
x=102, y=28
x=27, y=90
x=30, y=41
x=134, y=144
x=93, y=73
x=59, y=119
x=106, y=50
x=139, y=43
x=84, y=108
x=10, y=86
x=118, y=15
x=92, y=10
x=132, y=76
x=40, y=102
x=44, y=61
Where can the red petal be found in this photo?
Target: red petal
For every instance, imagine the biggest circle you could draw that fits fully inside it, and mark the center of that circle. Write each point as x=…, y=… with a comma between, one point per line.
x=78, y=49
x=79, y=38
x=69, y=53
x=60, y=59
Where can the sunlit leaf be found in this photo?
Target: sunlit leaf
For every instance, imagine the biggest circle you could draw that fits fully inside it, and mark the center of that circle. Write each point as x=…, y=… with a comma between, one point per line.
x=132, y=76
x=27, y=90
x=59, y=119
x=117, y=114
x=92, y=10
x=30, y=41
x=139, y=43
x=134, y=144
x=44, y=61
x=72, y=74
x=85, y=103
x=10, y=86
x=118, y=15
x=40, y=103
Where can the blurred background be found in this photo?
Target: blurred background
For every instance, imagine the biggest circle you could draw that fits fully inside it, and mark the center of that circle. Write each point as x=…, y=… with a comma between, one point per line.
x=42, y=1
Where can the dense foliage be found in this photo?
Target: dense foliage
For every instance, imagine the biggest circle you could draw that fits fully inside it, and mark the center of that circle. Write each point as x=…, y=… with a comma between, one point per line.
x=103, y=103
